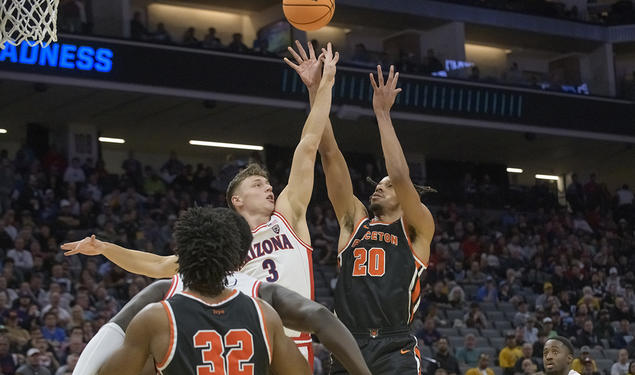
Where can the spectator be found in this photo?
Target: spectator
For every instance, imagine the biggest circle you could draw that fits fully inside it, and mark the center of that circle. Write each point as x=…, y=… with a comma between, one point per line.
x=488, y=292
x=604, y=328
x=71, y=361
x=621, y=366
x=548, y=329
x=74, y=172
x=474, y=275
x=22, y=257
x=579, y=363
x=623, y=336
x=467, y=354
x=237, y=44
x=631, y=368
x=161, y=35
x=17, y=335
x=428, y=334
x=32, y=365
x=189, y=38
x=589, y=367
x=50, y=330
x=439, y=293
x=529, y=368
x=547, y=292
x=138, y=30
x=521, y=316
x=457, y=299
x=211, y=41
x=509, y=355
x=8, y=362
x=530, y=332
x=475, y=317
x=588, y=337
x=528, y=352
x=444, y=359
x=482, y=369
x=575, y=194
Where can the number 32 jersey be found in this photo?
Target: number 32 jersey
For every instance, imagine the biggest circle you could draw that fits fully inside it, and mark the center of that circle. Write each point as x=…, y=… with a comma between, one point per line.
x=229, y=337
x=378, y=283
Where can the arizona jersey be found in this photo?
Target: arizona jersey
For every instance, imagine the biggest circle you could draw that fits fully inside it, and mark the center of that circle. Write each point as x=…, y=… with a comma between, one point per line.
x=378, y=284
x=229, y=337
x=278, y=255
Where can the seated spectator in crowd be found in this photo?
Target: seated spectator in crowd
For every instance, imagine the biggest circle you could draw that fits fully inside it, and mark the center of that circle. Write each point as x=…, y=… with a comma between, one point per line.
x=211, y=41
x=539, y=345
x=488, y=292
x=17, y=335
x=509, y=355
x=604, y=328
x=528, y=353
x=548, y=329
x=521, y=316
x=8, y=361
x=530, y=334
x=623, y=335
x=456, y=299
x=474, y=275
x=50, y=330
x=631, y=368
x=189, y=38
x=428, y=333
x=237, y=44
x=68, y=368
x=589, y=367
x=587, y=336
x=475, y=317
x=138, y=30
x=580, y=362
x=74, y=172
x=32, y=365
x=467, y=354
x=161, y=35
x=547, y=288
x=22, y=257
x=621, y=366
x=438, y=294
x=444, y=359
x=482, y=368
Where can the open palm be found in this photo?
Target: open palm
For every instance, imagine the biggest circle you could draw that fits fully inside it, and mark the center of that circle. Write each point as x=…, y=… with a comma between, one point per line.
x=384, y=93
x=87, y=246
x=308, y=67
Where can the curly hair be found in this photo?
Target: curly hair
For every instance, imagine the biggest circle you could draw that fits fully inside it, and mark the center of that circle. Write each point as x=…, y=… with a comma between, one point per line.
x=251, y=170
x=211, y=244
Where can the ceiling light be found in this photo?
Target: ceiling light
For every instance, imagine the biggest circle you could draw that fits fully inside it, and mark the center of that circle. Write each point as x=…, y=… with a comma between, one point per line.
x=3, y=131
x=514, y=170
x=111, y=140
x=226, y=145
x=547, y=177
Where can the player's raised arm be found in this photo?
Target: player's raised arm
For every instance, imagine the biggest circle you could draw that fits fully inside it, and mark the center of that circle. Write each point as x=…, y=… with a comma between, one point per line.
x=294, y=199
x=305, y=315
x=417, y=216
x=147, y=334
x=348, y=209
x=137, y=262
x=285, y=356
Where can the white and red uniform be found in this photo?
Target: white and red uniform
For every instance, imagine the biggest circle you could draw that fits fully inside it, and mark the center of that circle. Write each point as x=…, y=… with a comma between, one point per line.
x=277, y=255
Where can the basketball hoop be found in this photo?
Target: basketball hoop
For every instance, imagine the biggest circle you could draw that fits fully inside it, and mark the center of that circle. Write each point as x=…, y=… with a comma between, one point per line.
x=33, y=21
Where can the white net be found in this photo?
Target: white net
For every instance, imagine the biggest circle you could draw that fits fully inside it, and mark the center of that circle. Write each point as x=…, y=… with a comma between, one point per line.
x=33, y=21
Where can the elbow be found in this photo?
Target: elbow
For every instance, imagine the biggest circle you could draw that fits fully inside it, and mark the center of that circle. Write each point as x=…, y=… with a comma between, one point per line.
x=309, y=144
x=320, y=318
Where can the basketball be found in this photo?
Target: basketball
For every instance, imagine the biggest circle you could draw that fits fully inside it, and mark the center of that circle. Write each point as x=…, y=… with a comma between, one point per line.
x=308, y=15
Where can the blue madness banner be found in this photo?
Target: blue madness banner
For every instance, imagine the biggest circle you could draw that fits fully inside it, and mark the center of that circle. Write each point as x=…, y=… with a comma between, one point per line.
x=60, y=55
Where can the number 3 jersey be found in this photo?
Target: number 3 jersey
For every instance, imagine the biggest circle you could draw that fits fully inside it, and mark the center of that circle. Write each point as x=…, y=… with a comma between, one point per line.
x=378, y=283
x=224, y=338
x=278, y=255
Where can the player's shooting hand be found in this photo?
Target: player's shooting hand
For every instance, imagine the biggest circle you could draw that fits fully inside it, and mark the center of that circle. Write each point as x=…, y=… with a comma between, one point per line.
x=385, y=93
x=330, y=63
x=87, y=246
x=309, y=68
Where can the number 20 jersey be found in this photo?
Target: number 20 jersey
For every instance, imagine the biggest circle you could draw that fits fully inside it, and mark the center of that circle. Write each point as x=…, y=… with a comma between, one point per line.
x=278, y=255
x=378, y=283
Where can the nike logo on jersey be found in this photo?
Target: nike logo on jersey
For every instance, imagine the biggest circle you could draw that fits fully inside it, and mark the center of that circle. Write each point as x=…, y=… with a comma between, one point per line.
x=405, y=351
x=378, y=236
x=266, y=247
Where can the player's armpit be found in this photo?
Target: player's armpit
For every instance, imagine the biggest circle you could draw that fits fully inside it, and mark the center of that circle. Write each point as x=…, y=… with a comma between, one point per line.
x=143, y=337
x=304, y=315
x=285, y=356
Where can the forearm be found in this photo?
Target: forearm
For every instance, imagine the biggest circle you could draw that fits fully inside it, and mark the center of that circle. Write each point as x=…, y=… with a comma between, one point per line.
x=396, y=164
x=151, y=294
x=318, y=117
x=139, y=262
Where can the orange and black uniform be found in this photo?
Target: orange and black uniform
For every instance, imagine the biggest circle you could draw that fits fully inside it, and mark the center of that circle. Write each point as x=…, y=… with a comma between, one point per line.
x=228, y=337
x=377, y=294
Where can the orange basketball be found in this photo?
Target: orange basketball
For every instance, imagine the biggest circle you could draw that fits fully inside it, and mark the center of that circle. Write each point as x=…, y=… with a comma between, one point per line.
x=308, y=15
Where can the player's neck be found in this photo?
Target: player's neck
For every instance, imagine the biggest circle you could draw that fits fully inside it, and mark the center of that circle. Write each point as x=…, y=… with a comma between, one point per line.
x=388, y=217
x=255, y=220
x=212, y=300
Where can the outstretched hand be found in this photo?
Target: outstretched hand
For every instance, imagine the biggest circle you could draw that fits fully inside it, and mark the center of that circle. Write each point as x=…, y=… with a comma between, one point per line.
x=384, y=93
x=309, y=68
x=87, y=246
x=330, y=63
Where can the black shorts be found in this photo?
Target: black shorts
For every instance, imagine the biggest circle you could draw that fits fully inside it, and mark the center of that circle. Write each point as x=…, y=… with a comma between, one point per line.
x=388, y=355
